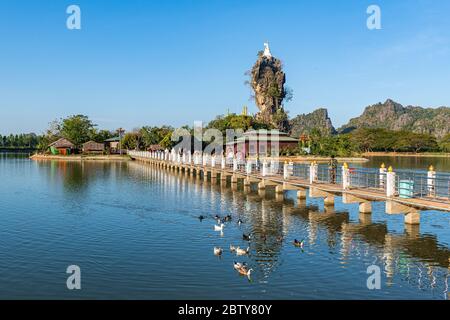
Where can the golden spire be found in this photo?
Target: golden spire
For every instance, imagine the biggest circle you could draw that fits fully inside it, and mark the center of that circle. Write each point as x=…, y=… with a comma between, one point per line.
x=383, y=166
x=390, y=169
x=431, y=168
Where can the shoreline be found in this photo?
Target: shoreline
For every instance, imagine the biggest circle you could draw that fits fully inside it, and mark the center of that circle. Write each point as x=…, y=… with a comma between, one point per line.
x=406, y=154
x=322, y=159
x=81, y=157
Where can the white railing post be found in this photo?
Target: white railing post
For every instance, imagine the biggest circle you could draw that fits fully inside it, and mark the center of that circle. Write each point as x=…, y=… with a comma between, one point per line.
x=223, y=163
x=390, y=183
x=285, y=171
x=345, y=177
x=313, y=172
x=382, y=176
x=273, y=166
x=264, y=168
x=213, y=161
x=248, y=167
x=431, y=182
x=235, y=164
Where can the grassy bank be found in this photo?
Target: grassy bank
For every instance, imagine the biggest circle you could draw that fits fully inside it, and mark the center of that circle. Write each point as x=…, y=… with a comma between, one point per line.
x=79, y=157
x=407, y=154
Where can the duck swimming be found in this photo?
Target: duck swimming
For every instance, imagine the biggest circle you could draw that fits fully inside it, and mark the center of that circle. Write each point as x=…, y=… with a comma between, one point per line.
x=201, y=218
x=298, y=243
x=242, y=269
x=239, y=222
x=232, y=248
x=246, y=237
x=218, y=251
x=242, y=252
x=219, y=228
x=239, y=265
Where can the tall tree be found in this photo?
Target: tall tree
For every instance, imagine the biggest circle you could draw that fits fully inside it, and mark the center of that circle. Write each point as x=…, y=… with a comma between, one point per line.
x=77, y=129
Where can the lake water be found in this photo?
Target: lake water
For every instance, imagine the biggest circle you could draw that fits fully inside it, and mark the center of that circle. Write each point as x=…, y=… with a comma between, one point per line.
x=134, y=232
x=420, y=163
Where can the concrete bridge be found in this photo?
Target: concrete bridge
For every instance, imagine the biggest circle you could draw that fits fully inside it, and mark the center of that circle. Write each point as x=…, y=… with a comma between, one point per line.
x=404, y=192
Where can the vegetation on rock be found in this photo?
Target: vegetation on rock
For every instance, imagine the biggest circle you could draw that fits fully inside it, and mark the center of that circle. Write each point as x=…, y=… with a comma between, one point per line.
x=393, y=116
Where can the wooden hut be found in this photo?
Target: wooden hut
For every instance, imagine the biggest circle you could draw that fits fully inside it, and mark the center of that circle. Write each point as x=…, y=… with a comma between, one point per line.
x=62, y=147
x=93, y=147
x=113, y=145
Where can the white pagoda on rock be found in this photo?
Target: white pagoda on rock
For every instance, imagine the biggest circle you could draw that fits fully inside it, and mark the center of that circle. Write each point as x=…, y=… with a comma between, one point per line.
x=267, y=53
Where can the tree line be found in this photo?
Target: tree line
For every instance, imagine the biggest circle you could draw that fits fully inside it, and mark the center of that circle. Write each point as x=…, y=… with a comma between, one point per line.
x=19, y=141
x=80, y=129
x=372, y=140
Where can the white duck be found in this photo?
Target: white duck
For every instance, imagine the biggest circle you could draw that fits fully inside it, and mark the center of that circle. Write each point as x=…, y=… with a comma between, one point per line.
x=218, y=251
x=219, y=228
x=239, y=265
x=242, y=268
x=242, y=252
x=232, y=248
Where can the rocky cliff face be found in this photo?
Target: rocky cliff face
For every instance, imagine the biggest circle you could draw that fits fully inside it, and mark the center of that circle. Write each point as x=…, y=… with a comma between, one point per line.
x=305, y=123
x=393, y=116
x=267, y=80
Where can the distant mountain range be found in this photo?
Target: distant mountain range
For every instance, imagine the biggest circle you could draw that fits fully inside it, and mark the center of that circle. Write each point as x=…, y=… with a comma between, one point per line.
x=388, y=115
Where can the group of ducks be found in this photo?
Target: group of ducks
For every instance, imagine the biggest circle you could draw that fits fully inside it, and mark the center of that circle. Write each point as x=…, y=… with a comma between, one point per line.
x=242, y=267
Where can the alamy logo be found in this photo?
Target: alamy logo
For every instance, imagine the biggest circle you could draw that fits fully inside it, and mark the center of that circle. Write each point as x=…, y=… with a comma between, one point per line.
x=74, y=20
x=374, y=20
x=374, y=280
x=74, y=280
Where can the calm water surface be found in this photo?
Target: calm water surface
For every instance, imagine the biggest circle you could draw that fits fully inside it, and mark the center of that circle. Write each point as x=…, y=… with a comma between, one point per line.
x=134, y=232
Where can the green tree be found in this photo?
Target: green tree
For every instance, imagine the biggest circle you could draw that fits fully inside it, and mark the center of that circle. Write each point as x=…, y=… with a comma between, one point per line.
x=444, y=143
x=77, y=129
x=132, y=141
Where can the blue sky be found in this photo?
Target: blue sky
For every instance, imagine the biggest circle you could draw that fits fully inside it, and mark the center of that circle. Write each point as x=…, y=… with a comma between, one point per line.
x=143, y=62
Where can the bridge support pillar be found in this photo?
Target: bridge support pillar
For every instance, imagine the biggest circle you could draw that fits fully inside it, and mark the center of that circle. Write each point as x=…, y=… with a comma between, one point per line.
x=317, y=193
x=279, y=197
x=261, y=185
x=279, y=189
x=412, y=215
x=301, y=194
x=328, y=200
x=365, y=218
x=234, y=179
x=365, y=207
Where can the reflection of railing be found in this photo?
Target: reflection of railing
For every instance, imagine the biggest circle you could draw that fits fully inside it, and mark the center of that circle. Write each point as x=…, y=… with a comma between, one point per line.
x=402, y=183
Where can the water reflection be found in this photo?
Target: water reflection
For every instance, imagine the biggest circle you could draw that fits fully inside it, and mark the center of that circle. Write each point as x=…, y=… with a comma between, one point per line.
x=410, y=257
x=143, y=218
